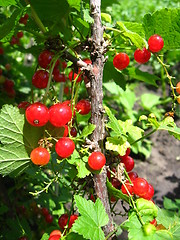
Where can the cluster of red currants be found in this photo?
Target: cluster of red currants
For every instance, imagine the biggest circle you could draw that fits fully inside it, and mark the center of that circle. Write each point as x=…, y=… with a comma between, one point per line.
x=155, y=43
x=15, y=39
x=48, y=217
x=137, y=186
x=59, y=115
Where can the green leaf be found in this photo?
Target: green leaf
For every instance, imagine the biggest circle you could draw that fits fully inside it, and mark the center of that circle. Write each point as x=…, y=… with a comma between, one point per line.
x=149, y=100
x=80, y=164
x=87, y=17
x=106, y=17
x=135, y=38
x=117, y=144
x=146, y=207
x=87, y=130
x=17, y=139
x=135, y=27
x=9, y=24
x=92, y=218
x=115, y=192
x=73, y=236
x=113, y=124
x=169, y=204
x=111, y=73
x=5, y=3
x=75, y=4
x=141, y=76
x=164, y=22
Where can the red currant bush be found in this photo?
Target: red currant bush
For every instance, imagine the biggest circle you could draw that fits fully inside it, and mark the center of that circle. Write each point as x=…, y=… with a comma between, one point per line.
x=96, y=160
x=40, y=79
x=37, y=114
x=129, y=163
x=83, y=107
x=140, y=186
x=121, y=61
x=156, y=43
x=64, y=147
x=60, y=114
x=40, y=156
x=142, y=56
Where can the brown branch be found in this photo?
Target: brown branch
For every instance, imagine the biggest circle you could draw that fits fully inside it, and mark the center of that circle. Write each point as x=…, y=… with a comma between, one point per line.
x=97, y=111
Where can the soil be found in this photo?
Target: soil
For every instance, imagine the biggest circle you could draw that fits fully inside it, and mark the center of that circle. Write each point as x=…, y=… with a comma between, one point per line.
x=162, y=170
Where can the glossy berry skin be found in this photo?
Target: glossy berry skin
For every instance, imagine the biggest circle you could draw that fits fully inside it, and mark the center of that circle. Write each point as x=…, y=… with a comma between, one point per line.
x=62, y=221
x=45, y=211
x=40, y=156
x=45, y=59
x=55, y=233
x=73, y=132
x=140, y=186
x=142, y=56
x=64, y=147
x=128, y=150
x=96, y=160
x=121, y=61
x=60, y=114
x=59, y=77
x=37, y=114
x=72, y=220
x=73, y=76
x=150, y=192
x=83, y=107
x=24, y=105
x=178, y=87
x=54, y=237
x=40, y=79
x=129, y=188
x=155, y=43
x=133, y=175
x=129, y=163
x=66, y=131
x=49, y=218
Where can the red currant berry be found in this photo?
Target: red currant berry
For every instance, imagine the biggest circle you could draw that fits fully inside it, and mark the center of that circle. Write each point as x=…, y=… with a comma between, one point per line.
x=63, y=221
x=128, y=150
x=154, y=222
x=59, y=77
x=140, y=186
x=45, y=59
x=72, y=220
x=60, y=114
x=55, y=233
x=142, y=56
x=8, y=84
x=23, y=19
x=11, y=93
x=66, y=131
x=37, y=114
x=133, y=175
x=129, y=188
x=14, y=40
x=54, y=237
x=121, y=61
x=40, y=79
x=73, y=132
x=73, y=76
x=156, y=43
x=178, y=88
x=66, y=90
x=49, y=218
x=24, y=105
x=116, y=183
x=129, y=163
x=150, y=192
x=96, y=160
x=45, y=211
x=40, y=156
x=1, y=50
x=83, y=107
x=64, y=147
x=92, y=198
x=63, y=64
x=20, y=34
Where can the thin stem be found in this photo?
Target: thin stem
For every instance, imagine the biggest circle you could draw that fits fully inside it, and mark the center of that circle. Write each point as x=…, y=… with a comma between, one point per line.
x=145, y=136
x=36, y=18
x=113, y=29
x=61, y=91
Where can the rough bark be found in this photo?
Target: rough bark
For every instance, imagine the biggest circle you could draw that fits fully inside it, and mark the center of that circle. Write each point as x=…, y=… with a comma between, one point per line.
x=96, y=94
